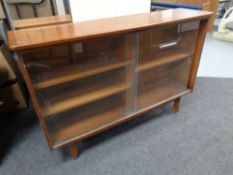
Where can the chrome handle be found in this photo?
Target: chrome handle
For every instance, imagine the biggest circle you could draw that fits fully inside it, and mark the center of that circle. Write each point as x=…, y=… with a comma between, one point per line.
x=37, y=65
x=169, y=44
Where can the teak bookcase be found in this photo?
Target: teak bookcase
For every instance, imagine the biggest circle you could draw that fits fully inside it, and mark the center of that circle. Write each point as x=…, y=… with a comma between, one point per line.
x=85, y=78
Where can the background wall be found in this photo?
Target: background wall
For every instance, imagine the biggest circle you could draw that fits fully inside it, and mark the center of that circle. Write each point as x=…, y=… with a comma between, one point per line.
x=217, y=58
x=92, y=9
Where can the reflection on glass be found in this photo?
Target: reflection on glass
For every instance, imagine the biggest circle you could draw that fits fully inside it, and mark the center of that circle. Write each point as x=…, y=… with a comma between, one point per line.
x=84, y=85
x=164, y=63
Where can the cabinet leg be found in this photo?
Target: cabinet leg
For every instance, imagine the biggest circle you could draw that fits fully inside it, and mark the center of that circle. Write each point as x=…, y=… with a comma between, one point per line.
x=73, y=150
x=176, y=105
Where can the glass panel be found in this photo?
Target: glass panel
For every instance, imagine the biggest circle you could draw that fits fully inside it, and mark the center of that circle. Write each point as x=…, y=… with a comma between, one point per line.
x=85, y=119
x=82, y=86
x=132, y=52
x=164, y=62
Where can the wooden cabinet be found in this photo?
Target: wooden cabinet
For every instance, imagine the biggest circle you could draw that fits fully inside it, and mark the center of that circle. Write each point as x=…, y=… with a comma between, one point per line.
x=40, y=21
x=165, y=1
x=87, y=77
x=201, y=3
x=208, y=5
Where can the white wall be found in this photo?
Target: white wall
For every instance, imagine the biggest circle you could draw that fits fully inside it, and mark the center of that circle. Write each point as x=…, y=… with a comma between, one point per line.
x=83, y=10
x=60, y=7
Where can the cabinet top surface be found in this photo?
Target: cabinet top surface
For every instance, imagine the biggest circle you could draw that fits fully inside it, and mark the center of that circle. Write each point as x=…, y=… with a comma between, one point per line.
x=57, y=34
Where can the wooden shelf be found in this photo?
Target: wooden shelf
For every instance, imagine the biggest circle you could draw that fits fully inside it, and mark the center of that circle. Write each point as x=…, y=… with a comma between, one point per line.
x=76, y=72
x=77, y=124
x=58, y=34
x=161, y=60
x=70, y=100
x=159, y=91
x=81, y=123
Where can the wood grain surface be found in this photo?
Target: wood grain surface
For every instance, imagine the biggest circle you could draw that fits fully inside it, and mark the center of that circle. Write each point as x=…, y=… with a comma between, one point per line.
x=57, y=34
x=41, y=21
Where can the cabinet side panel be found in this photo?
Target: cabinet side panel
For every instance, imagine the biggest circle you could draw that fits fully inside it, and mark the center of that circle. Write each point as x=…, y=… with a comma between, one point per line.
x=197, y=53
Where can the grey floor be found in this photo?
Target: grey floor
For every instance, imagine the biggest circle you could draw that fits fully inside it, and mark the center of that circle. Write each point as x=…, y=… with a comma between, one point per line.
x=196, y=141
x=217, y=58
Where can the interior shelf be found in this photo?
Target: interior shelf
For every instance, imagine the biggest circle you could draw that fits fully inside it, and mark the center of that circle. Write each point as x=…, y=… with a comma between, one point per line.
x=76, y=72
x=76, y=98
x=162, y=59
x=75, y=124
x=159, y=91
x=78, y=124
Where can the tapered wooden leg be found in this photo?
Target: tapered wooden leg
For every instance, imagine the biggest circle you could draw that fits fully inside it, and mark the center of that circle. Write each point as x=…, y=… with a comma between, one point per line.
x=73, y=150
x=176, y=105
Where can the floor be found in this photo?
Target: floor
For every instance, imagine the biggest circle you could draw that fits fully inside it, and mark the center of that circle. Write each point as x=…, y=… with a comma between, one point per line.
x=217, y=58
x=197, y=140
